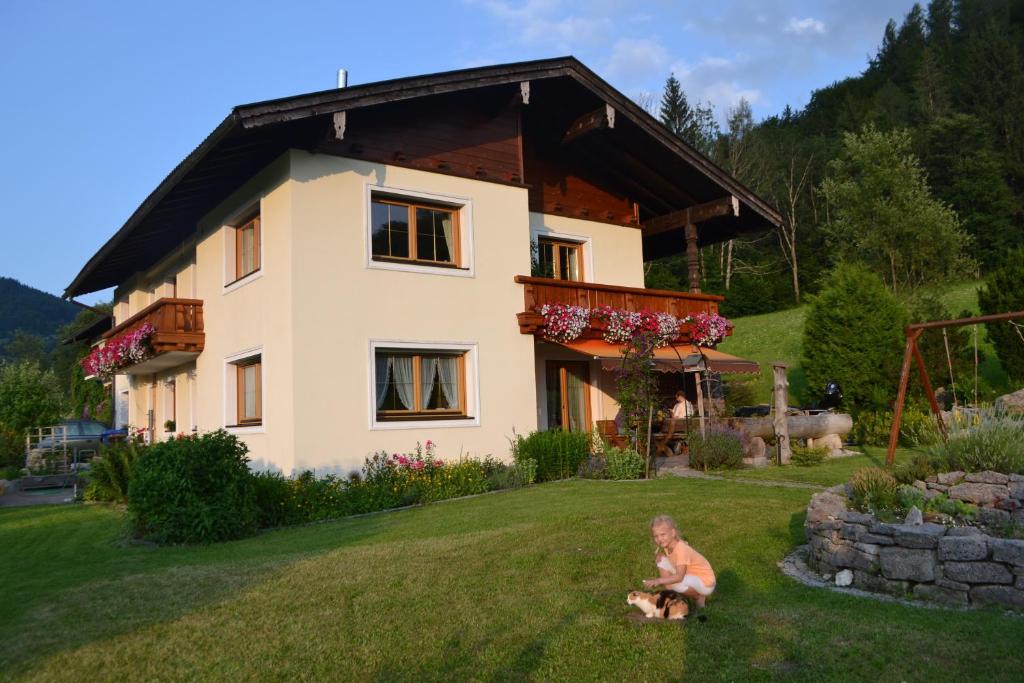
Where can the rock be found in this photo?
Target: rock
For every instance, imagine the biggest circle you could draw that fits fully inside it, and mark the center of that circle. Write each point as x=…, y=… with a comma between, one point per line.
x=756, y=448
x=867, y=548
x=938, y=488
x=1016, y=477
x=1011, y=403
x=907, y=563
x=987, y=477
x=940, y=594
x=977, y=572
x=846, y=556
x=920, y=485
x=914, y=516
x=824, y=505
x=1017, y=490
x=931, y=493
x=962, y=548
x=844, y=578
x=1007, y=550
x=1019, y=585
x=982, y=494
x=854, y=517
x=997, y=595
x=950, y=478
x=1017, y=517
x=919, y=536
x=875, y=539
x=938, y=518
x=993, y=517
x=1008, y=504
x=878, y=584
x=931, y=479
x=883, y=529
x=852, y=532
x=838, y=489
x=952, y=585
x=963, y=531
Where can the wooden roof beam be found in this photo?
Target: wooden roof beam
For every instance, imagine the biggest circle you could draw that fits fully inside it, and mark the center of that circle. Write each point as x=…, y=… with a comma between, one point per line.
x=603, y=117
x=726, y=206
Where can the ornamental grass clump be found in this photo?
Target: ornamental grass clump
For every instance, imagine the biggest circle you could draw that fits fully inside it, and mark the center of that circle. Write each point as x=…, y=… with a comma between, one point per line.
x=558, y=453
x=986, y=441
x=808, y=456
x=110, y=474
x=874, y=490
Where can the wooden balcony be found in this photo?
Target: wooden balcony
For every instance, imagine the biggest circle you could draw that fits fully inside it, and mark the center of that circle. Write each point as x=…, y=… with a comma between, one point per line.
x=178, y=338
x=538, y=291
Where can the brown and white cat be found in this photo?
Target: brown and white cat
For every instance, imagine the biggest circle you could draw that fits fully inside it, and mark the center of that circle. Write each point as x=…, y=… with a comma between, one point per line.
x=661, y=605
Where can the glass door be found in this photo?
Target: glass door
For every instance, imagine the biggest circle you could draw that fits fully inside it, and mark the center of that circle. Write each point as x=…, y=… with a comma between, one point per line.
x=567, y=386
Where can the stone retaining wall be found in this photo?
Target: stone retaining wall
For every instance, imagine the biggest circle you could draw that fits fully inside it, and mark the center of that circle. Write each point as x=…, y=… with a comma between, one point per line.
x=953, y=565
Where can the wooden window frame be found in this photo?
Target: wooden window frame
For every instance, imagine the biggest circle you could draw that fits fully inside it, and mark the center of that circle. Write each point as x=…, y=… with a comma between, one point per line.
x=418, y=412
x=563, y=367
x=240, y=367
x=413, y=258
x=563, y=244
x=257, y=263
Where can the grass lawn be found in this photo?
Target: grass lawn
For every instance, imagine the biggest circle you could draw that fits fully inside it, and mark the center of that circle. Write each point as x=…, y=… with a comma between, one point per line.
x=832, y=471
x=529, y=584
x=779, y=336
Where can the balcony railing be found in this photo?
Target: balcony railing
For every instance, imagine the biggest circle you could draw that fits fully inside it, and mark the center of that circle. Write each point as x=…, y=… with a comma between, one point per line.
x=538, y=291
x=178, y=332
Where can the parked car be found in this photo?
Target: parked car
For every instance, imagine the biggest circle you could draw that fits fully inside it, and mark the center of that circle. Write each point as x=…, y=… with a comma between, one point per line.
x=82, y=438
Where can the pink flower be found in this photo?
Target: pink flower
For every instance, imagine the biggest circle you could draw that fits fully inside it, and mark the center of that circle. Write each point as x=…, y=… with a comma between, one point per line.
x=439, y=463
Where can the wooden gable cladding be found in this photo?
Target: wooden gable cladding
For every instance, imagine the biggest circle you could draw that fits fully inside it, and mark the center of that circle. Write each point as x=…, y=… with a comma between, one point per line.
x=474, y=134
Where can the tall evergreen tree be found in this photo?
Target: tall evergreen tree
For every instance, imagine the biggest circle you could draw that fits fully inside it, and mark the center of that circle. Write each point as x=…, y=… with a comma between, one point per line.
x=675, y=110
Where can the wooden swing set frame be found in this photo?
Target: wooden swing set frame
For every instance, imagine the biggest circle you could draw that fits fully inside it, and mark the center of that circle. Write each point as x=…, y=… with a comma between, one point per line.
x=911, y=352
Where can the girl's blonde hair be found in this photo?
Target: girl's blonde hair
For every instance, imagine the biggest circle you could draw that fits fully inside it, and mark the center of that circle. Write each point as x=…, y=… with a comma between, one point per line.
x=664, y=520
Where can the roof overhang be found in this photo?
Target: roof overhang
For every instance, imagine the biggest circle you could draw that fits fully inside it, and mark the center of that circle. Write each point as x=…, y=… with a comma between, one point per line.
x=252, y=135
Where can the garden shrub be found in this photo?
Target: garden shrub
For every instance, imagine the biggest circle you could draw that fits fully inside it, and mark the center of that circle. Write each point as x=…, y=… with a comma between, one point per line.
x=917, y=427
x=110, y=474
x=919, y=468
x=594, y=467
x=1004, y=291
x=194, y=489
x=808, y=456
x=874, y=489
x=502, y=475
x=719, y=448
x=990, y=441
x=853, y=334
x=558, y=453
x=623, y=463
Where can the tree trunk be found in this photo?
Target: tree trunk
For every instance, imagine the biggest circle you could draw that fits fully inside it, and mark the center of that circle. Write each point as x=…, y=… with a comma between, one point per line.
x=728, y=264
x=781, y=399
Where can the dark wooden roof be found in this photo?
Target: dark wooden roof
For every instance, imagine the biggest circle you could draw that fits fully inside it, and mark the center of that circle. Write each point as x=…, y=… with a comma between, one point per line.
x=643, y=159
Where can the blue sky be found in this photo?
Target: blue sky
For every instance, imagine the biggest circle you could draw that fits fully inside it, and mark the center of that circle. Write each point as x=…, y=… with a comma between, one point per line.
x=99, y=101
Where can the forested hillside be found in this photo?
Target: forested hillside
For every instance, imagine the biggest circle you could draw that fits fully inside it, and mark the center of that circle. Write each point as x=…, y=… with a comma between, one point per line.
x=31, y=311
x=948, y=79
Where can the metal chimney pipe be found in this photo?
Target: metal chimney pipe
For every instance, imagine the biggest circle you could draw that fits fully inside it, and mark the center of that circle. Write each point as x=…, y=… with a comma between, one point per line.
x=342, y=78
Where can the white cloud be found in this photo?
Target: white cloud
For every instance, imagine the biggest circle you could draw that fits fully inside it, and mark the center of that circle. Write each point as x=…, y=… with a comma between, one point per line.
x=636, y=60
x=803, y=27
x=540, y=22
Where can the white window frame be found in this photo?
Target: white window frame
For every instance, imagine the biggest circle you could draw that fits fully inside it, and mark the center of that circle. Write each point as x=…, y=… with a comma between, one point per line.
x=586, y=243
x=464, y=207
x=472, y=384
x=230, y=389
x=228, y=236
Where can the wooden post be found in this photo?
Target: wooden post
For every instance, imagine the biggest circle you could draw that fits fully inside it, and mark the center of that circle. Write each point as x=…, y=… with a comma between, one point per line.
x=780, y=394
x=692, y=258
x=700, y=403
x=901, y=395
x=936, y=411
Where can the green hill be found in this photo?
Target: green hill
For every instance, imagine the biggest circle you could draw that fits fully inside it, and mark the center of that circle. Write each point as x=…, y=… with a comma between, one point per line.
x=779, y=337
x=31, y=310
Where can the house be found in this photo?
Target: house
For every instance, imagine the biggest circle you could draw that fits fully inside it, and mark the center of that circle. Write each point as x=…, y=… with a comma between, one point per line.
x=348, y=271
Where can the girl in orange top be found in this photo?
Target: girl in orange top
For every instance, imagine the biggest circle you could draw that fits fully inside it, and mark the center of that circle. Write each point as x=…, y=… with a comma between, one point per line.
x=680, y=567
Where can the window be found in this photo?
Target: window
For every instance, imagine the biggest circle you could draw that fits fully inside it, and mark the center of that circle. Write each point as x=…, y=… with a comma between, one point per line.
x=402, y=231
x=247, y=248
x=414, y=384
x=559, y=259
x=249, y=391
